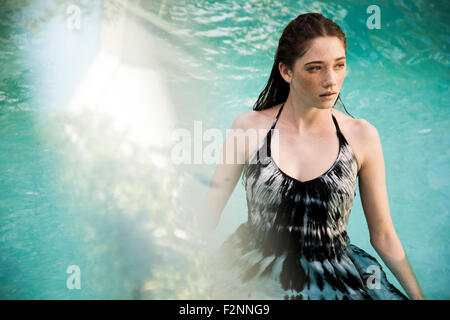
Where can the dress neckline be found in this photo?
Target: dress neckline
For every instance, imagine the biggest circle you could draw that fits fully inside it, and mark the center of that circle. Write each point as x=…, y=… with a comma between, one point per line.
x=269, y=148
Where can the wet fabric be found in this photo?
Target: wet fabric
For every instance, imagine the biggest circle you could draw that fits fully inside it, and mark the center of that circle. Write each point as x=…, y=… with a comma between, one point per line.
x=294, y=244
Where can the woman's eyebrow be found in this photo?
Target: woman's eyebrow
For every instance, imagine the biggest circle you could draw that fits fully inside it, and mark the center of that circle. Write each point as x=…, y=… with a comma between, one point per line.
x=322, y=61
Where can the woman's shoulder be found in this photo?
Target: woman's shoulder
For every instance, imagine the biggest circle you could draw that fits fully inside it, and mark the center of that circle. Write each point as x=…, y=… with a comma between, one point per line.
x=359, y=133
x=256, y=119
x=359, y=127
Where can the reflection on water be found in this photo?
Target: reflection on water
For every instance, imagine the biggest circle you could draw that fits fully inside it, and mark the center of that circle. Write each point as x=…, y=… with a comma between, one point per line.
x=86, y=116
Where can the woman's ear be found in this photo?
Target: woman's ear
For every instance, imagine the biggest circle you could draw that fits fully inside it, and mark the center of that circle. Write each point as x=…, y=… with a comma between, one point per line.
x=285, y=72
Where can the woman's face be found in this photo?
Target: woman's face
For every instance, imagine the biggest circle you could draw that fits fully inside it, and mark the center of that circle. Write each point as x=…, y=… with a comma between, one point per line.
x=322, y=68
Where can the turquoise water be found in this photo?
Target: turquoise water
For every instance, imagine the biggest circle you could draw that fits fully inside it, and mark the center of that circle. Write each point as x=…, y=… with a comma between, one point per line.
x=85, y=177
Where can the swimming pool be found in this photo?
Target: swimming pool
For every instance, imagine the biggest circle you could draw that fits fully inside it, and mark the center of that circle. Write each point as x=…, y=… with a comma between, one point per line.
x=89, y=96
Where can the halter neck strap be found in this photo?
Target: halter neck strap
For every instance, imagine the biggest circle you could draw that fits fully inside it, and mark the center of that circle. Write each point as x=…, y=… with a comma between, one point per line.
x=276, y=118
x=336, y=124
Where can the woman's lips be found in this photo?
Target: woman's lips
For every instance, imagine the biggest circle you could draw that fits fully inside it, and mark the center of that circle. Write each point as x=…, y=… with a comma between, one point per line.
x=328, y=96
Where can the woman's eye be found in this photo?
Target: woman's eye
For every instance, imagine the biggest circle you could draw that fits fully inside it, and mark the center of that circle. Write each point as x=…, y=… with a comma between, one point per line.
x=318, y=67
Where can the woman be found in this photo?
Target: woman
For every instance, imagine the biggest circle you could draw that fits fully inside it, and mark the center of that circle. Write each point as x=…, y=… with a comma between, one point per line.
x=300, y=185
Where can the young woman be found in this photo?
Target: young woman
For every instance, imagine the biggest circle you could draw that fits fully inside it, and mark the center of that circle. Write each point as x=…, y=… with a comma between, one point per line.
x=300, y=185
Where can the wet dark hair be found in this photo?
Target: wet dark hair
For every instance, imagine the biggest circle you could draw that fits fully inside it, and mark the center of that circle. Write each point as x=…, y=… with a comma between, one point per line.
x=292, y=45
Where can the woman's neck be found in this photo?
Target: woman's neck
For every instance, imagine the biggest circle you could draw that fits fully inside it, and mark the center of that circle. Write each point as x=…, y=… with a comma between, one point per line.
x=305, y=120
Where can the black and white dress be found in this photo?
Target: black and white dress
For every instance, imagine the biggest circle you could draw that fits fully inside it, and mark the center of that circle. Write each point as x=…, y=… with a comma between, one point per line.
x=294, y=244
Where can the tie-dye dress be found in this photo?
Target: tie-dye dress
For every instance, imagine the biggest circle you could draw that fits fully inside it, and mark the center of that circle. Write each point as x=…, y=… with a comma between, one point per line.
x=294, y=244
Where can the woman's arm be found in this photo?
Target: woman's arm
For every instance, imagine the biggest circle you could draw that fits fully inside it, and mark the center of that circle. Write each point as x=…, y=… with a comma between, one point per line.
x=384, y=239
x=225, y=177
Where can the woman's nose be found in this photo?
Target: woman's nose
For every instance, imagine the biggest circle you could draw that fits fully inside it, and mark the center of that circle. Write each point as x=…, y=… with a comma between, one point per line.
x=329, y=78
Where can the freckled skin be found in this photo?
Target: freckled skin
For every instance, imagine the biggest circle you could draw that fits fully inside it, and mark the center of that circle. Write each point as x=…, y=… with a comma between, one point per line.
x=308, y=82
x=294, y=244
